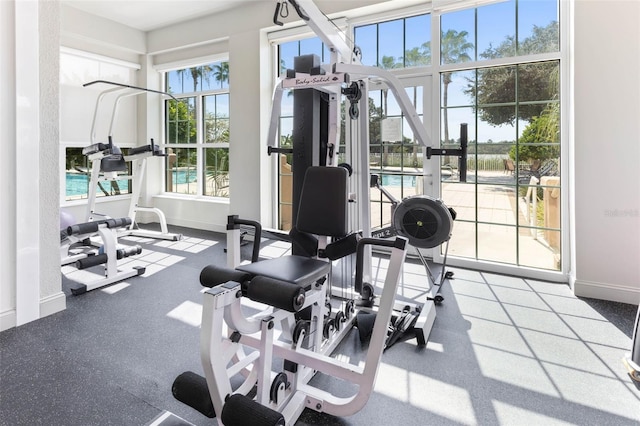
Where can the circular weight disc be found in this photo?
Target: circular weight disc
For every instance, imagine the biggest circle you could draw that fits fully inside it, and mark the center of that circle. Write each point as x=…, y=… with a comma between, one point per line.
x=426, y=222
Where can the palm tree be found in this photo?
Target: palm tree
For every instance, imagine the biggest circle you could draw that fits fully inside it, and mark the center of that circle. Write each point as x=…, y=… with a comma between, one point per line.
x=221, y=72
x=454, y=47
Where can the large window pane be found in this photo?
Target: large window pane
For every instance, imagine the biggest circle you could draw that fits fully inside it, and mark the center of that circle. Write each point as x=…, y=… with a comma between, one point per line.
x=496, y=85
x=367, y=40
x=417, y=33
x=497, y=243
x=457, y=39
x=497, y=30
x=181, y=121
x=182, y=174
x=458, y=88
x=78, y=177
x=538, y=30
x=396, y=44
x=390, y=44
x=216, y=172
x=76, y=174
x=203, y=168
x=216, y=118
x=538, y=82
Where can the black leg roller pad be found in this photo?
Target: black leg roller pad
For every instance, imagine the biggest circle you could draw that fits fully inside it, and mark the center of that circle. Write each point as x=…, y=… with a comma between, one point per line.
x=191, y=389
x=276, y=293
x=240, y=410
x=212, y=276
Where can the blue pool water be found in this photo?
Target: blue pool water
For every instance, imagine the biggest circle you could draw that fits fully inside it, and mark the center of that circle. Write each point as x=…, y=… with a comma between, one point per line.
x=397, y=180
x=77, y=184
x=184, y=176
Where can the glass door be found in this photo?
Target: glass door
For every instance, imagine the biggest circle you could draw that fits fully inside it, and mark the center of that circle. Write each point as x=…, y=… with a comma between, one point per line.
x=395, y=155
x=509, y=210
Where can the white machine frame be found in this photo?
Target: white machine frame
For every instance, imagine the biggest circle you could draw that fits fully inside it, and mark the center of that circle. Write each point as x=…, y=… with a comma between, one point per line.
x=138, y=164
x=226, y=331
x=109, y=246
x=337, y=74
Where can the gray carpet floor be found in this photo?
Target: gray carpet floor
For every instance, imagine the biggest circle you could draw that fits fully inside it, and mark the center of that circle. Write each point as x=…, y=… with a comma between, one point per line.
x=503, y=351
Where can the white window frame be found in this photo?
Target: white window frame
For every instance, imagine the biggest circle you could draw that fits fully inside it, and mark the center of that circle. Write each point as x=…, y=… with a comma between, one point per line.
x=200, y=145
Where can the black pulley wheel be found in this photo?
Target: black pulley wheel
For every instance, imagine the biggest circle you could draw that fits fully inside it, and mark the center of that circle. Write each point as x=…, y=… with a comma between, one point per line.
x=349, y=309
x=425, y=221
x=301, y=325
x=280, y=382
x=329, y=328
x=338, y=320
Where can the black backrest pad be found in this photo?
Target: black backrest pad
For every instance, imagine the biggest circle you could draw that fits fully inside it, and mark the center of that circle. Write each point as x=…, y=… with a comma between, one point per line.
x=323, y=202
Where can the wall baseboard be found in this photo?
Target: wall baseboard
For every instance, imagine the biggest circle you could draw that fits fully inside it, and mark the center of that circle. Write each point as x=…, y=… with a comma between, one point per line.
x=7, y=319
x=48, y=306
x=52, y=304
x=611, y=292
x=193, y=224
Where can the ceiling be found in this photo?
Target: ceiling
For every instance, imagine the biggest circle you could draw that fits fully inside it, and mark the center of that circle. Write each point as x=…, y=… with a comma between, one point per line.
x=147, y=15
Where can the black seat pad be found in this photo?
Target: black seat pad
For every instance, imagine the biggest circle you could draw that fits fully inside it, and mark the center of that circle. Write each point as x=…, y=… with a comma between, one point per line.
x=299, y=270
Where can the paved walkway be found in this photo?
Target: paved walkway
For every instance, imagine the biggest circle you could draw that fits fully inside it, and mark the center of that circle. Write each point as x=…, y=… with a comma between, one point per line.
x=497, y=238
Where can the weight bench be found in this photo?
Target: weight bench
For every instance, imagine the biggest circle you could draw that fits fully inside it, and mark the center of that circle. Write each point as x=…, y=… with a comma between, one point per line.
x=239, y=348
x=108, y=255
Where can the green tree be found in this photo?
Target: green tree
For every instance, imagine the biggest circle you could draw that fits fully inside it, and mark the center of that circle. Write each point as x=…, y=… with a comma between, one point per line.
x=182, y=122
x=454, y=49
x=418, y=56
x=536, y=142
x=221, y=72
x=529, y=82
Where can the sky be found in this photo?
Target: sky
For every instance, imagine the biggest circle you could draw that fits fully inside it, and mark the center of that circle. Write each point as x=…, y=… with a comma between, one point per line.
x=494, y=24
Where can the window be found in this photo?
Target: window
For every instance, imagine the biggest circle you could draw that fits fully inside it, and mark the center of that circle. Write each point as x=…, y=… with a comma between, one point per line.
x=398, y=159
x=197, y=130
x=401, y=43
x=78, y=175
x=509, y=209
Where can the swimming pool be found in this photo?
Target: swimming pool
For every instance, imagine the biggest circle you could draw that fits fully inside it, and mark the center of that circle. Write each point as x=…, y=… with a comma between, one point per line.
x=398, y=180
x=77, y=184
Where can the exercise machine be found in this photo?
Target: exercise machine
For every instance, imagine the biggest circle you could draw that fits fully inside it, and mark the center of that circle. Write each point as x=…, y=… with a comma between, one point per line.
x=317, y=91
x=108, y=163
x=107, y=255
x=258, y=364
x=268, y=326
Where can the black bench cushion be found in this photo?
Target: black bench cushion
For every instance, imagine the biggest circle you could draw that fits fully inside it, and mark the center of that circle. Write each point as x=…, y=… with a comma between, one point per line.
x=299, y=270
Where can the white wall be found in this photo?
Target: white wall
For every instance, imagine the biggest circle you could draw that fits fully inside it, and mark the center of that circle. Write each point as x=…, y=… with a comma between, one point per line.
x=30, y=285
x=606, y=199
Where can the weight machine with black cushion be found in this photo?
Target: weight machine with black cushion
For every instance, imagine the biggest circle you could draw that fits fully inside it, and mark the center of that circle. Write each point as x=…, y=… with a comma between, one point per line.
x=108, y=254
x=239, y=351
